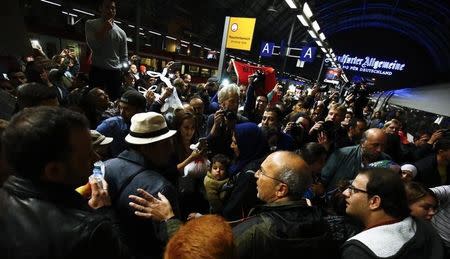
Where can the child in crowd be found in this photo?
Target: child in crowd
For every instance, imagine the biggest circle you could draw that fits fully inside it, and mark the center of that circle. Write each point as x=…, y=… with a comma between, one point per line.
x=408, y=172
x=215, y=179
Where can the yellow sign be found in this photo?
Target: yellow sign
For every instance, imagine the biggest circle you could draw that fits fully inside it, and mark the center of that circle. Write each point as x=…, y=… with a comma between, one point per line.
x=240, y=33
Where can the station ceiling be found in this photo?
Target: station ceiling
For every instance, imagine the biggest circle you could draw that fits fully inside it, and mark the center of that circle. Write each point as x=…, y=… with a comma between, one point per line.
x=416, y=29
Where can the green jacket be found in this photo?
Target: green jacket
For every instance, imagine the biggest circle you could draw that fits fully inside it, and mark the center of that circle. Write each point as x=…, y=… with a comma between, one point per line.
x=283, y=230
x=343, y=165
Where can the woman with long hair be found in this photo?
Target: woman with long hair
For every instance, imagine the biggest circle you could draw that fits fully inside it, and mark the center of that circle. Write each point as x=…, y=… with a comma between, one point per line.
x=190, y=184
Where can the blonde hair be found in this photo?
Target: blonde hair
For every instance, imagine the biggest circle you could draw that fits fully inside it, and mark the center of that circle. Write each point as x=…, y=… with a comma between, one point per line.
x=226, y=91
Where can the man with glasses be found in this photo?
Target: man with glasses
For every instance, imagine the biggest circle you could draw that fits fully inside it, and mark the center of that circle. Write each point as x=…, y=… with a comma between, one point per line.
x=285, y=225
x=282, y=228
x=377, y=198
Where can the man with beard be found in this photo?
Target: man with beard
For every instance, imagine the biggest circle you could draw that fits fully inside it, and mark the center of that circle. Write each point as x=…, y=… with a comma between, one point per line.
x=117, y=127
x=271, y=127
x=345, y=163
x=148, y=165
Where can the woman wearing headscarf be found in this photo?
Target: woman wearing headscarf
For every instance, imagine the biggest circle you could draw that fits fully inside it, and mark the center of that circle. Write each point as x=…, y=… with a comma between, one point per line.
x=250, y=148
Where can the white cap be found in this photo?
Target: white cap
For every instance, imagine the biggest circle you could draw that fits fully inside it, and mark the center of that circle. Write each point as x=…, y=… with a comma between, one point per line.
x=411, y=168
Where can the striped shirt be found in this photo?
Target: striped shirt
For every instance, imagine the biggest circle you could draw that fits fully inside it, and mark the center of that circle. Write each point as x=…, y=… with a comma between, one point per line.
x=441, y=221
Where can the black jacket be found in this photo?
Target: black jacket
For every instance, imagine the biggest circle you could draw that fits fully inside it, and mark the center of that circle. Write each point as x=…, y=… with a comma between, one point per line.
x=125, y=174
x=428, y=173
x=52, y=221
x=408, y=239
x=284, y=230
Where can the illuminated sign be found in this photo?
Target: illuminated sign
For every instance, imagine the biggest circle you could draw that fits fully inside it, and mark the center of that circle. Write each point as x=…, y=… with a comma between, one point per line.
x=240, y=33
x=370, y=65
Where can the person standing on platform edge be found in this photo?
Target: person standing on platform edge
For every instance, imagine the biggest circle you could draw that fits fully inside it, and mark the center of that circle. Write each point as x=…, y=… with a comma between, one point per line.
x=108, y=43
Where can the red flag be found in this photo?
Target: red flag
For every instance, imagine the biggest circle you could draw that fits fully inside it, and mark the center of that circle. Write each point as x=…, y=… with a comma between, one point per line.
x=243, y=71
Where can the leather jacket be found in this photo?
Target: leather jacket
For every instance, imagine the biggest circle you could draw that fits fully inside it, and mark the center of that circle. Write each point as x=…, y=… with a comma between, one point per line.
x=43, y=220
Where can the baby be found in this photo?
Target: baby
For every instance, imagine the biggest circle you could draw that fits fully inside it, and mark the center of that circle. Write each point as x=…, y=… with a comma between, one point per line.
x=214, y=180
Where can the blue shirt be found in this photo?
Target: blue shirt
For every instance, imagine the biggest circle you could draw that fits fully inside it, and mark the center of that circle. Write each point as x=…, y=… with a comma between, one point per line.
x=115, y=127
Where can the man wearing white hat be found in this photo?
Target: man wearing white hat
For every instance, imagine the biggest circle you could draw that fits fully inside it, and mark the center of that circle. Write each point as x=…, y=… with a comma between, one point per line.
x=146, y=165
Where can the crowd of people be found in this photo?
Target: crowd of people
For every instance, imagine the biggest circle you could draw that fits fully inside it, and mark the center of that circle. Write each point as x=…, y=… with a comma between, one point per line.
x=209, y=170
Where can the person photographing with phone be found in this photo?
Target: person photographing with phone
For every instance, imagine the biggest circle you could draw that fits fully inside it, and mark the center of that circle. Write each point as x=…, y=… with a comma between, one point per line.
x=108, y=43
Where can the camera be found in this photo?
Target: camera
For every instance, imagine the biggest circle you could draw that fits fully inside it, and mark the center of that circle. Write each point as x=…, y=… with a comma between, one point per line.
x=258, y=77
x=230, y=115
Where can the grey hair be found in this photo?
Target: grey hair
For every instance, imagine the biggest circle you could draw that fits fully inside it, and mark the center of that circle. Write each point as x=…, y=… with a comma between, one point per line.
x=297, y=182
x=226, y=91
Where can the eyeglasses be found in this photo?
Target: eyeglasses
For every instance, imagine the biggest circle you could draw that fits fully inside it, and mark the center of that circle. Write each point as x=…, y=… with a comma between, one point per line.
x=260, y=172
x=352, y=189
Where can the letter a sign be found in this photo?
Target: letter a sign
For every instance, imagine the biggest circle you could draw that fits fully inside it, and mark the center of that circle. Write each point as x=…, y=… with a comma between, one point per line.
x=308, y=54
x=266, y=49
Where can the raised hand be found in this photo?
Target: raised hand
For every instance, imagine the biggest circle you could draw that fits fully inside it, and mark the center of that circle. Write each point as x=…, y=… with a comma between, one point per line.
x=147, y=206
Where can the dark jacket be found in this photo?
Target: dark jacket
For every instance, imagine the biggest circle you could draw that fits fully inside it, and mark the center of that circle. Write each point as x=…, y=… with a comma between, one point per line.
x=53, y=221
x=220, y=144
x=283, y=230
x=428, y=173
x=125, y=174
x=408, y=239
x=343, y=165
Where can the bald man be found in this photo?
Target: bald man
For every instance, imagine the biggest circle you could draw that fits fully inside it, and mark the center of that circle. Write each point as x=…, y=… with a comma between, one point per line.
x=345, y=163
x=285, y=225
x=281, y=228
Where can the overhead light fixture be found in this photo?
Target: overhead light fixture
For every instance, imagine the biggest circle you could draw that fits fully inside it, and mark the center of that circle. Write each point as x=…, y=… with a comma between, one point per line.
x=315, y=26
x=154, y=32
x=148, y=45
x=118, y=22
x=333, y=55
x=322, y=36
x=291, y=4
x=207, y=48
x=328, y=55
x=172, y=38
x=331, y=50
x=303, y=20
x=70, y=14
x=196, y=45
x=323, y=50
x=307, y=11
x=131, y=26
x=185, y=42
x=312, y=33
x=50, y=2
x=83, y=12
x=141, y=33
x=319, y=43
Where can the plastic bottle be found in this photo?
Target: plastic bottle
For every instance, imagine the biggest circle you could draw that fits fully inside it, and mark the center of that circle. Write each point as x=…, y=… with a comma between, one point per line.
x=98, y=173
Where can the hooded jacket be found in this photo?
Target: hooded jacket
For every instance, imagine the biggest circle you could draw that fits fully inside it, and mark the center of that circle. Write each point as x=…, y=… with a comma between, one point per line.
x=410, y=239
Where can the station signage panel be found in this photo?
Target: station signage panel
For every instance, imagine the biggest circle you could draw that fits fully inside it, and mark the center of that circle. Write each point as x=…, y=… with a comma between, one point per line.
x=308, y=54
x=240, y=33
x=266, y=49
x=372, y=65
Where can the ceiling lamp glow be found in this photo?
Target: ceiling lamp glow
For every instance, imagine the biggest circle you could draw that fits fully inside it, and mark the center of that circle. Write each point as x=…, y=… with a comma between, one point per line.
x=312, y=33
x=291, y=4
x=315, y=26
x=322, y=36
x=303, y=20
x=307, y=11
x=319, y=43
